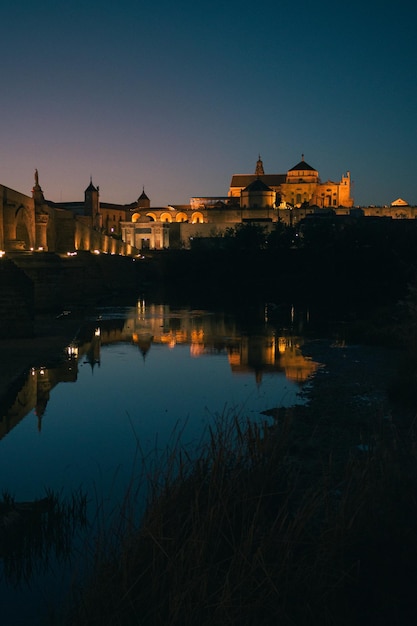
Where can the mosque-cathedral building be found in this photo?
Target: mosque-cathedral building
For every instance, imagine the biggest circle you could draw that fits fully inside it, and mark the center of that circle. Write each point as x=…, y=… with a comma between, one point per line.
x=34, y=223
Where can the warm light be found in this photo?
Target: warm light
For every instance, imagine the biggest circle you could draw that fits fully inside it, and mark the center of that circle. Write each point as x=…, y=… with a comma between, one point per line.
x=41, y=371
x=196, y=349
x=72, y=350
x=97, y=332
x=282, y=344
x=40, y=249
x=2, y=253
x=96, y=251
x=71, y=254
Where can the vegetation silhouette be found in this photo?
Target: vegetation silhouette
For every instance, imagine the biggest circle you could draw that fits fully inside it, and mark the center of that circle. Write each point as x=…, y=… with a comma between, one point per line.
x=32, y=532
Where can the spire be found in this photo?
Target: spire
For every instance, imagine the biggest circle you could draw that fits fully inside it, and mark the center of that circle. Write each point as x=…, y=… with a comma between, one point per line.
x=259, y=167
x=143, y=201
x=91, y=186
x=143, y=195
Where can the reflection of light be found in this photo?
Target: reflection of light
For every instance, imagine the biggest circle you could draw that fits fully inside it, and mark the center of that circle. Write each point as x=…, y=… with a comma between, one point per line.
x=71, y=254
x=196, y=349
x=72, y=350
x=96, y=251
x=2, y=253
x=181, y=336
x=282, y=344
x=97, y=332
x=197, y=336
x=40, y=248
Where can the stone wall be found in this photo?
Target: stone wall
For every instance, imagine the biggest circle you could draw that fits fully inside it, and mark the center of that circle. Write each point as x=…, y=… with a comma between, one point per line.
x=16, y=301
x=59, y=282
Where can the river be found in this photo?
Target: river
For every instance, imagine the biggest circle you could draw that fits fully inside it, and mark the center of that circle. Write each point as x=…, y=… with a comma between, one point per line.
x=141, y=378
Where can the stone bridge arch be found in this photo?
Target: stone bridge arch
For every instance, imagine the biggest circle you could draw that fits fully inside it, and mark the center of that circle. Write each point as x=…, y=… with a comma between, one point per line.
x=25, y=227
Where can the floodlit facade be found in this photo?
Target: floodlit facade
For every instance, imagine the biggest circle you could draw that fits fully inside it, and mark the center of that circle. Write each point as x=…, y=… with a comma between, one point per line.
x=33, y=223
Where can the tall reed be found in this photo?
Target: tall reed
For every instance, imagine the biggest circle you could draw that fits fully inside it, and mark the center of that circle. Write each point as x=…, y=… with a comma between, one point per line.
x=239, y=535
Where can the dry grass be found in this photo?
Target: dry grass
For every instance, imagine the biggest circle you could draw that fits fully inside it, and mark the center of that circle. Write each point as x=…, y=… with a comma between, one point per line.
x=237, y=537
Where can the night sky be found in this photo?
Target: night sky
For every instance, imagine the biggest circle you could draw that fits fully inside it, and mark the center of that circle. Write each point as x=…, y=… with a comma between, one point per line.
x=179, y=96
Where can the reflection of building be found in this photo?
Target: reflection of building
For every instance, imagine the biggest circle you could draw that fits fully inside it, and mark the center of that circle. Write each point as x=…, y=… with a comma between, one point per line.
x=297, y=367
x=268, y=354
x=266, y=351
x=209, y=334
x=34, y=393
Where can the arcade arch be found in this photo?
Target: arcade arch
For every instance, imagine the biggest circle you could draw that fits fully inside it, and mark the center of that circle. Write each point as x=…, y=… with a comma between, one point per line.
x=24, y=221
x=197, y=218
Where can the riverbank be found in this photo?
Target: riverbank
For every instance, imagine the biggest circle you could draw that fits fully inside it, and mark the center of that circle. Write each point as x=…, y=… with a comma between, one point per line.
x=309, y=520
x=347, y=403
x=276, y=486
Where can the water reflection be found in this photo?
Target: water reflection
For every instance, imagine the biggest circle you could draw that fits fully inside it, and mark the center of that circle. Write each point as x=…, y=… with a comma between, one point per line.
x=127, y=380
x=32, y=533
x=264, y=349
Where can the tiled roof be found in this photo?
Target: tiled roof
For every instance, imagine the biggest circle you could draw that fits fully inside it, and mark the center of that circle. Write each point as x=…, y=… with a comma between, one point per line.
x=271, y=180
x=257, y=185
x=302, y=165
x=91, y=187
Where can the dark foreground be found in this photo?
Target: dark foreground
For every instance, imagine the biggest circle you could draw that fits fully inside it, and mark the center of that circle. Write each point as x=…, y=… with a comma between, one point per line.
x=312, y=520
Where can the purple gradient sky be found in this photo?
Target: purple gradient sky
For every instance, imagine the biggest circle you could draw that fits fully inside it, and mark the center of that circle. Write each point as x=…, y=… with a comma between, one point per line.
x=178, y=96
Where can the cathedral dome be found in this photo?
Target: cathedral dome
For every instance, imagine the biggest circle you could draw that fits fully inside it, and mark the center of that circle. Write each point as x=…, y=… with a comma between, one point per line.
x=258, y=195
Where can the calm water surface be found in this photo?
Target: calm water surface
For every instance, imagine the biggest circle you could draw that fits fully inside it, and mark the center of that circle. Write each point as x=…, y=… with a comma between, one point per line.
x=140, y=378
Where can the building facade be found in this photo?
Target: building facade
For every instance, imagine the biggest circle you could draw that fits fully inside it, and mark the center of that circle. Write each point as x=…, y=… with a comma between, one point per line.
x=299, y=186
x=33, y=223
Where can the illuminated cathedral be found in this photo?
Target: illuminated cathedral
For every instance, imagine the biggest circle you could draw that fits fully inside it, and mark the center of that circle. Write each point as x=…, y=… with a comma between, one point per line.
x=33, y=223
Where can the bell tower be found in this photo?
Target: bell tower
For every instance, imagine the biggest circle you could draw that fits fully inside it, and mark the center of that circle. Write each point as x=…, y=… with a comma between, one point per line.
x=92, y=205
x=259, y=167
